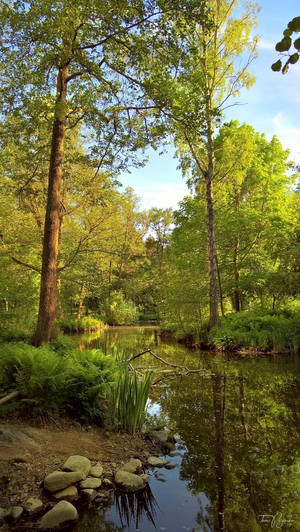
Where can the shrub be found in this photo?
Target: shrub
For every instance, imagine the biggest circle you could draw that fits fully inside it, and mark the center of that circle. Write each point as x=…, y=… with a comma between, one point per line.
x=268, y=330
x=85, y=324
x=118, y=311
x=52, y=380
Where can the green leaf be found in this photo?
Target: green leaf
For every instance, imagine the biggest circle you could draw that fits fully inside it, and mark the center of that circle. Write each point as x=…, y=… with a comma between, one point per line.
x=294, y=58
x=297, y=44
x=294, y=24
x=276, y=67
x=283, y=45
x=287, y=33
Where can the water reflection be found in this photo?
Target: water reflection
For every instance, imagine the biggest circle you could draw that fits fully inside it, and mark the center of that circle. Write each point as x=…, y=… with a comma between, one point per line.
x=240, y=463
x=135, y=508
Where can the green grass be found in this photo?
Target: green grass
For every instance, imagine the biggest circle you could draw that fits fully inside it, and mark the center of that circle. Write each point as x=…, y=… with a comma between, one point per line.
x=266, y=330
x=128, y=399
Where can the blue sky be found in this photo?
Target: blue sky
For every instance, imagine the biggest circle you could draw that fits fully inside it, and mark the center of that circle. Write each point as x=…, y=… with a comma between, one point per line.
x=272, y=105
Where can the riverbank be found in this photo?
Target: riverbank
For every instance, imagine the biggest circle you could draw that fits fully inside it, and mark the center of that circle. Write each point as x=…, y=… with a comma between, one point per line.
x=30, y=451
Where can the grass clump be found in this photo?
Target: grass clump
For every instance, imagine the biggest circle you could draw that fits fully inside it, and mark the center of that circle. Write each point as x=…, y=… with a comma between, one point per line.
x=128, y=399
x=80, y=325
x=266, y=330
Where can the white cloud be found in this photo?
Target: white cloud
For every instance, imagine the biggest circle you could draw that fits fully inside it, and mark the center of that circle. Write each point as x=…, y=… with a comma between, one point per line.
x=161, y=195
x=288, y=134
x=266, y=45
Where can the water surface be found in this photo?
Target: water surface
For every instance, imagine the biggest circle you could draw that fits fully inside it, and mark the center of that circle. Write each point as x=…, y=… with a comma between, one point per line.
x=239, y=464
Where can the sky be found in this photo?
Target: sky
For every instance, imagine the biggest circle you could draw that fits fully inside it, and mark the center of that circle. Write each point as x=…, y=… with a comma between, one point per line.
x=271, y=106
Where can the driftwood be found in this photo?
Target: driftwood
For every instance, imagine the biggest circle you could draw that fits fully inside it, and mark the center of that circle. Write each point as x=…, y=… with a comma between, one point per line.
x=180, y=371
x=6, y=398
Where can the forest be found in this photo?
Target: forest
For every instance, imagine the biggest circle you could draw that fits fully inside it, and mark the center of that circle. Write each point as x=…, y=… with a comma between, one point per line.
x=87, y=89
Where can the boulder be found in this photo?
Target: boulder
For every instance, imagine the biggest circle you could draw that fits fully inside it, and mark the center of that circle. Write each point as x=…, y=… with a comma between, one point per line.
x=160, y=435
x=60, y=514
x=129, y=481
x=77, y=463
x=68, y=494
x=157, y=462
x=132, y=466
x=91, y=483
x=89, y=494
x=96, y=471
x=33, y=505
x=145, y=477
x=16, y=512
x=59, y=480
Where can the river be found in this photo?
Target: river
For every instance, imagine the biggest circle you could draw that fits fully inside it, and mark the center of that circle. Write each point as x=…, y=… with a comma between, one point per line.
x=238, y=468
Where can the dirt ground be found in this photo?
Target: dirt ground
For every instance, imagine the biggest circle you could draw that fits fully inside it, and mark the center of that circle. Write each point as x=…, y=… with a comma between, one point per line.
x=29, y=452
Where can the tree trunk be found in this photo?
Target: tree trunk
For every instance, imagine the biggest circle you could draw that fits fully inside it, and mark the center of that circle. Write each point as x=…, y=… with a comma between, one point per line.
x=220, y=287
x=213, y=284
x=80, y=303
x=237, y=294
x=48, y=289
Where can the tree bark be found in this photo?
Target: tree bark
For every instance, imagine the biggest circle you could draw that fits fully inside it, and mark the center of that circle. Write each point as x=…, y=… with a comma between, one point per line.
x=81, y=298
x=48, y=289
x=237, y=294
x=213, y=284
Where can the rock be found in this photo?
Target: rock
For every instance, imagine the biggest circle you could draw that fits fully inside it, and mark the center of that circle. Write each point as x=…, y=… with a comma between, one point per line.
x=89, y=494
x=21, y=458
x=169, y=446
x=91, y=483
x=4, y=512
x=16, y=512
x=157, y=462
x=107, y=483
x=62, y=512
x=96, y=470
x=77, y=463
x=133, y=466
x=68, y=494
x=160, y=435
x=33, y=505
x=145, y=477
x=59, y=480
x=174, y=453
x=129, y=481
x=170, y=466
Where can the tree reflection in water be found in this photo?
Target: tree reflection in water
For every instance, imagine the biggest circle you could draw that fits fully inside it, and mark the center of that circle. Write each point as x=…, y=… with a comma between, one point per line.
x=134, y=507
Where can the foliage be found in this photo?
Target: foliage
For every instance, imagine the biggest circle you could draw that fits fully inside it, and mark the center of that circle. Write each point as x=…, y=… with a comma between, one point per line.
x=56, y=380
x=128, y=398
x=285, y=45
x=118, y=311
x=269, y=330
x=85, y=324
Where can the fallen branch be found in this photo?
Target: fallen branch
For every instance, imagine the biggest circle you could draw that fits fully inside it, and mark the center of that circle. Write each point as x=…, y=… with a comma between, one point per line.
x=158, y=358
x=8, y=397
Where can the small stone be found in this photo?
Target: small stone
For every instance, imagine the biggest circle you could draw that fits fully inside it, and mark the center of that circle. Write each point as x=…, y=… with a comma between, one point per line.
x=91, y=483
x=68, y=494
x=157, y=462
x=89, y=494
x=33, y=505
x=62, y=512
x=59, y=480
x=129, y=481
x=107, y=483
x=77, y=463
x=132, y=466
x=170, y=466
x=160, y=435
x=96, y=470
x=16, y=512
x=145, y=477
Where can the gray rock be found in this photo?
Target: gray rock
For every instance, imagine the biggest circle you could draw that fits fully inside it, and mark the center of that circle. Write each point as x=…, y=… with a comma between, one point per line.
x=59, y=480
x=33, y=505
x=16, y=512
x=132, y=466
x=77, y=463
x=89, y=494
x=129, y=481
x=62, y=512
x=96, y=471
x=160, y=435
x=68, y=494
x=157, y=462
x=91, y=483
